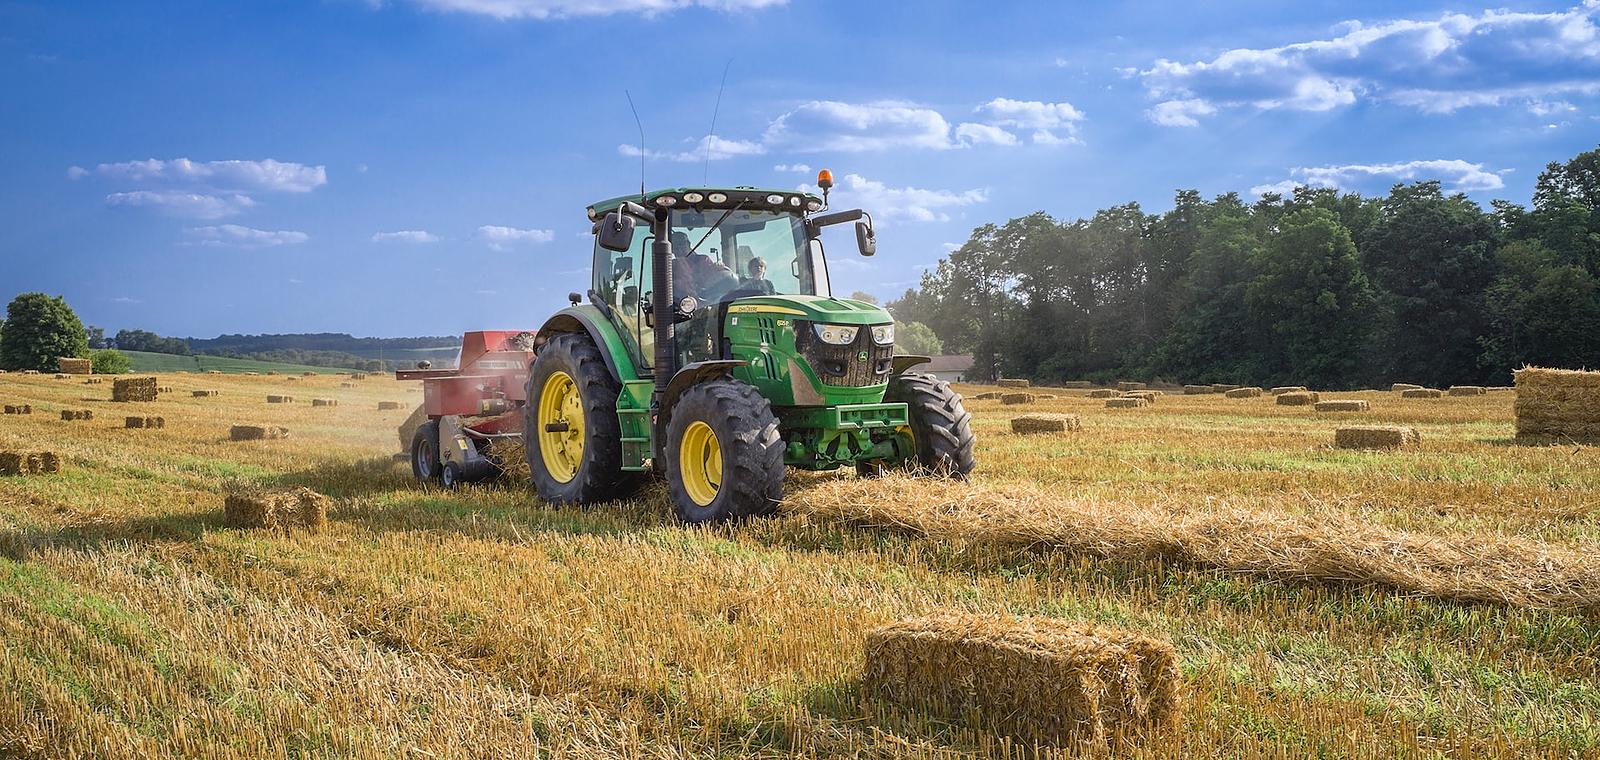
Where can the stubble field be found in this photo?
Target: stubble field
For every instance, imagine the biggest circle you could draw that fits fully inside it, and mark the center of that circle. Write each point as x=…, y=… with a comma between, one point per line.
x=1435, y=602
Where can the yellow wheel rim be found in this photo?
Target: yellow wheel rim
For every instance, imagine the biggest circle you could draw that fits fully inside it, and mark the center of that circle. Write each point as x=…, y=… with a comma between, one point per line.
x=561, y=427
x=700, y=463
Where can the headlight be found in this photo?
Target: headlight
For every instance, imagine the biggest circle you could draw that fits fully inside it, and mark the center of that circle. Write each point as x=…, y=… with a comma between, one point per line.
x=718, y=197
x=838, y=335
x=693, y=197
x=883, y=335
x=776, y=200
x=688, y=304
x=667, y=201
x=813, y=205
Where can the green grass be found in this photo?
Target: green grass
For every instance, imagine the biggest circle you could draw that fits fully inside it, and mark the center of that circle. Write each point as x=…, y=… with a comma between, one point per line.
x=145, y=361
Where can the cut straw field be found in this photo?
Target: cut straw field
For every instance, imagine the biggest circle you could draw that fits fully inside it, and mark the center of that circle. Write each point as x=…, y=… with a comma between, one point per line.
x=1439, y=600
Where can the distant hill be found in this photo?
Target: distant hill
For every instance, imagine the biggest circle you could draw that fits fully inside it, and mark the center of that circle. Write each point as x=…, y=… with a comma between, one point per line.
x=343, y=342
x=144, y=361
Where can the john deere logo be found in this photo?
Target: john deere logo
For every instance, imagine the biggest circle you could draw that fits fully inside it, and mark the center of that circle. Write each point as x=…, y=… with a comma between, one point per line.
x=861, y=357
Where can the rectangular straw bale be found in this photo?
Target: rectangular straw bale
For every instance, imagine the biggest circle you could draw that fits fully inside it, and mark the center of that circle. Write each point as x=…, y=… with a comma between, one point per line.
x=256, y=432
x=1077, y=384
x=10, y=463
x=989, y=396
x=1298, y=398
x=272, y=372
x=213, y=371
x=155, y=422
x=61, y=376
x=32, y=464
x=1011, y=383
x=1130, y=386
x=1342, y=405
x=1149, y=396
x=1398, y=387
x=1251, y=392
x=1422, y=393
x=308, y=374
x=70, y=415
x=202, y=394
x=1039, y=679
x=324, y=402
x=347, y=385
x=1375, y=437
x=74, y=366
x=1559, y=403
x=1223, y=388
x=1282, y=389
x=384, y=406
x=1104, y=393
x=164, y=389
x=93, y=381
x=134, y=389
x=49, y=463
x=1045, y=423
x=1126, y=403
x=133, y=423
x=1468, y=390
x=1197, y=390
x=280, y=399
x=1018, y=398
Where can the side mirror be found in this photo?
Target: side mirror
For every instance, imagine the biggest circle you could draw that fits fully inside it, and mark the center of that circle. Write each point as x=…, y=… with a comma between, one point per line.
x=866, y=239
x=622, y=269
x=615, y=232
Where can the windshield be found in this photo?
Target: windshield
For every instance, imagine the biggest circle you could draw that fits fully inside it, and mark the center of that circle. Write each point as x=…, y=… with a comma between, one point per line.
x=721, y=255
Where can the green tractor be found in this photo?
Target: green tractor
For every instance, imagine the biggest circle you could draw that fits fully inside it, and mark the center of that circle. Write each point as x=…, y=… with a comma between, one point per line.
x=712, y=352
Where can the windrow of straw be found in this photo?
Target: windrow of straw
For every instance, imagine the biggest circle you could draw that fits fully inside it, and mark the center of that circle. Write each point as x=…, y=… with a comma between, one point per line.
x=1018, y=398
x=1468, y=390
x=1298, y=398
x=1104, y=393
x=70, y=415
x=29, y=463
x=1375, y=437
x=1422, y=393
x=1342, y=405
x=1401, y=387
x=134, y=389
x=74, y=366
x=1250, y=392
x=1327, y=545
x=1045, y=423
x=1043, y=680
x=1558, y=403
x=256, y=432
x=257, y=507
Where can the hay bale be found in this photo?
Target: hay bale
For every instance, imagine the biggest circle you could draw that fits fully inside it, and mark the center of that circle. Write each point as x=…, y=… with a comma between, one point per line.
x=1298, y=398
x=30, y=372
x=256, y=432
x=1342, y=405
x=258, y=507
x=1149, y=396
x=989, y=396
x=280, y=399
x=1422, y=393
x=1398, y=387
x=10, y=463
x=1223, y=388
x=134, y=389
x=133, y=423
x=308, y=374
x=213, y=371
x=1126, y=403
x=1375, y=437
x=1250, y=392
x=1130, y=386
x=93, y=381
x=1011, y=383
x=19, y=409
x=1077, y=384
x=74, y=366
x=1282, y=389
x=1041, y=679
x=155, y=422
x=1045, y=396
x=1045, y=423
x=1018, y=398
x=60, y=376
x=1104, y=393
x=1468, y=390
x=272, y=372
x=49, y=463
x=203, y=394
x=347, y=385
x=1558, y=402
x=384, y=406
x=1197, y=390
x=72, y=415
x=324, y=402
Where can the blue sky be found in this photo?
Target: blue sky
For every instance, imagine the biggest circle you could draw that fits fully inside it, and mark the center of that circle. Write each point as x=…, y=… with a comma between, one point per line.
x=421, y=166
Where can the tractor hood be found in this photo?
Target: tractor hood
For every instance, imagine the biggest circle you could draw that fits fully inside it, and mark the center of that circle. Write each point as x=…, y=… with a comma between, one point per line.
x=838, y=311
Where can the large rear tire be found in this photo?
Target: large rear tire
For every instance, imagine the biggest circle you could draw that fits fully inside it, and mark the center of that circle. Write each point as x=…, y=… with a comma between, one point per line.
x=941, y=428
x=571, y=434
x=425, y=465
x=724, y=456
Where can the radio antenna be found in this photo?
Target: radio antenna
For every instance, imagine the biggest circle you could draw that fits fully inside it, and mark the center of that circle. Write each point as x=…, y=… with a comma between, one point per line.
x=636, y=121
x=712, y=138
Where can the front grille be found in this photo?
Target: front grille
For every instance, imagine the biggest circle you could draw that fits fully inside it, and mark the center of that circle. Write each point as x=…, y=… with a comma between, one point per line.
x=842, y=365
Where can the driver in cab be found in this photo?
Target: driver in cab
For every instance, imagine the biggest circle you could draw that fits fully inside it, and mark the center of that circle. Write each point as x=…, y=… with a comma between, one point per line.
x=696, y=274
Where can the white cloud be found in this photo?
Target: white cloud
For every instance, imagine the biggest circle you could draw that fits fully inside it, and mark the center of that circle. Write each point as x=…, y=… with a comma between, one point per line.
x=796, y=168
x=77, y=172
x=126, y=300
x=709, y=147
x=889, y=204
x=984, y=134
x=1439, y=65
x=505, y=238
x=1180, y=113
x=265, y=176
x=183, y=204
x=234, y=235
x=555, y=9
x=1453, y=174
x=405, y=236
x=1044, y=118
x=833, y=126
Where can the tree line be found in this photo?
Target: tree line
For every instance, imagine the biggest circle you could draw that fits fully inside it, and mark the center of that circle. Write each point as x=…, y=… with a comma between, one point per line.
x=1322, y=288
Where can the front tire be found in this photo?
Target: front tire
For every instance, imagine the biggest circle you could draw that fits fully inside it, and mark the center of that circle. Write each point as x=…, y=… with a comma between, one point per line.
x=425, y=452
x=724, y=457
x=570, y=432
x=941, y=428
